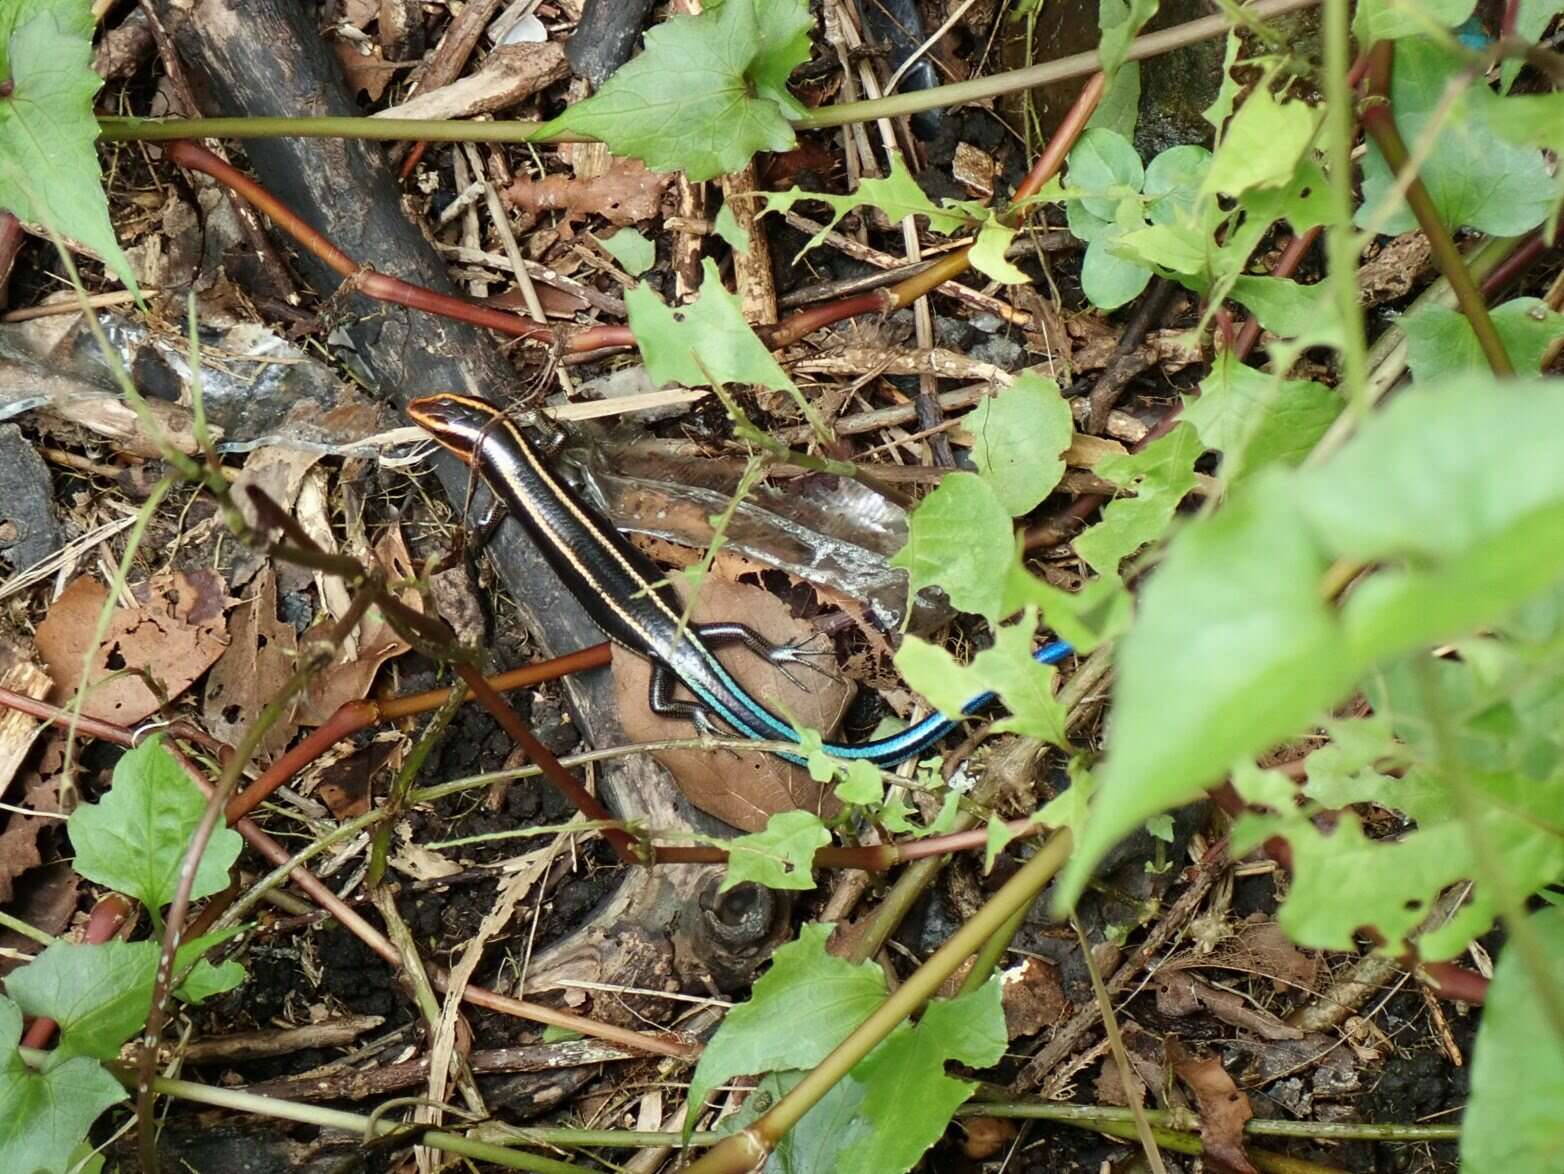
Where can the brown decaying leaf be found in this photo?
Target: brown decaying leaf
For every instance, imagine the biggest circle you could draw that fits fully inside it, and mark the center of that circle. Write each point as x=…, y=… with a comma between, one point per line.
x=253, y=670
x=344, y=786
x=741, y=789
x=626, y=194
x=40, y=792
x=1032, y=997
x=1224, y=1110
x=17, y=729
x=173, y=634
x=372, y=643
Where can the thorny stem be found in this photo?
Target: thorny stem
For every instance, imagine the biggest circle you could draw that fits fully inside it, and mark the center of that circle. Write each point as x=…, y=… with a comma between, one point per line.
x=1380, y=124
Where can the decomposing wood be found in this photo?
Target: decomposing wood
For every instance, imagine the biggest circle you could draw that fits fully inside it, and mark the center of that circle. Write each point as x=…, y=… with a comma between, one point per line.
x=509, y=75
x=251, y=1045
x=17, y=729
x=751, y=265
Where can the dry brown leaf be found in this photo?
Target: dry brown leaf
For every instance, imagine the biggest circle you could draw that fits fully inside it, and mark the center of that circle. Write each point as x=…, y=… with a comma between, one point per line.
x=344, y=786
x=626, y=194
x=39, y=792
x=741, y=789
x=45, y=898
x=253, y=670
x=1032, y=997
x=173, y=634
x=1224, y=1110
x=371, y=644
x=17, y=729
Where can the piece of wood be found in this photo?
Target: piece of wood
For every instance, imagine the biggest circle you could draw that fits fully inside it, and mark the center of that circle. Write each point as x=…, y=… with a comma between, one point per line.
x=752, y=267
x=17, y=729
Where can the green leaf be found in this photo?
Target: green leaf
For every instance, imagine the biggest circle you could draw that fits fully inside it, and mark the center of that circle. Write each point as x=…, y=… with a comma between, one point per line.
x=1178, y=249
x=1019, y=437
x=1255, y=419
x=1386, y=20
x=987, y=254
x=959, y=538
x=907, y=1095
x=1006, y=669
x=1475, y=178
x=1120, y=106
x=135, y=838
x=1512, y=1120
x=98, y=994
x=704, y=340
x=49, y=171
x=1120, y=21
x=897, y=195
x=206, y=979
x=860, y=783
x=1532, y=18
x=1102, y=168
x=1174, y=182
x=1108, y=280
x=1304, y=201
x=706, y=94
x=1263, y=144
x=1441, y=342
x=1454, y=490
x=729, y=229
x=798, y=1011
x=634, y=252
x=781, y=857
x=1161, y=474
x=44, y=1116
x=1221, y=108
x=1098, y=612
x=1304, y=313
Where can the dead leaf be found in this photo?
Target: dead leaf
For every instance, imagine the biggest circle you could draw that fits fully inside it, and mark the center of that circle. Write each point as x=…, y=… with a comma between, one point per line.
x=1032, y=997
x=344, y=785
x=173, y=634
x=741, y=789
x=986, y=1136
x=17, y=729
x=19, y=841
x=258, y=661
x=626, y=194
x=45, y=898
x=371, y=644
x=1224, y=1110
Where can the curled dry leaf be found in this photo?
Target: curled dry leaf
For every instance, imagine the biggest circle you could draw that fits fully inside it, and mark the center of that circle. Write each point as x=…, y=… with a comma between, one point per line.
x=253, y=670
x=371, y=644
x=1224, y=1110
x=174, y=633
x=624, y=194
x=741, y=789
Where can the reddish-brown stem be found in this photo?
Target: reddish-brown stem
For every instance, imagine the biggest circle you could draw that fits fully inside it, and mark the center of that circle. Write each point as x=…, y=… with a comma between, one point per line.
x=367, y=281
x=414, y=154
x=953, y=264
x=568, y=785
x=11, y=237
x=348, y=720
x=1381, y=126
x=592, y=657
x=108, y=917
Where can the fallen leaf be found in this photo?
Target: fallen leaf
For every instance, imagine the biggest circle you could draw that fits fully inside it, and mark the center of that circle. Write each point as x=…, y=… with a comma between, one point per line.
x=17, y=729
x=19, y=841
x=252, y=671
x=625, y=194
x=173, y=634
x=371, y=644
x=741, y=789
x=1224, y=1110
x=1032, y=997
x=44, y=898
x=344, y=785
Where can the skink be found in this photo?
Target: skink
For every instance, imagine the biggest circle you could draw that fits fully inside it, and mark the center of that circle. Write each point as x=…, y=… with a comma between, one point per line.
x=631, y=600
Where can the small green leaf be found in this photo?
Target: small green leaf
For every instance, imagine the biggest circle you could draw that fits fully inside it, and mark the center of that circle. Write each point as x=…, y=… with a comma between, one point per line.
x=1120, y=106
x=1120, y=21
x=1221, y=108
x=1178, y=249
x=1386, y=20
x=49, y=171
x=98, y=994
x=988, y=253
x=135, y=838
x=1303, y=201
x=1441, y=342
x=1304, y=313
x=1263, y=144
x=44, y=1116
x=1108, y=280
x=861, y=783
x=781, y=857
x=706, y=94
x=1173, y=188
x=1532, y=18
x=704, y=340
x=1512, y=1120
x=1102, y=168
x=1098, y=612
x=798, y=1011
x=1161, y=473
x=1006, y=669
x=959, y=538
x=1475, y=178
x=729, y=229
x=634, y=252
x=1019, y=438
x=1255, y=419
x=897, y=195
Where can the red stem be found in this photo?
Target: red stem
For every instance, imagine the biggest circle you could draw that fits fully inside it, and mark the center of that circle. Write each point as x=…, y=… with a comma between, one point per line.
x=110, y=915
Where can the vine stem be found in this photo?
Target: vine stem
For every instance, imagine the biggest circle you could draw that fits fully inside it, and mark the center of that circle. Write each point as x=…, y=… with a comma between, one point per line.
x=1381, y=126
x=1341, y=239
x=457, y=131
x=750, y=1147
